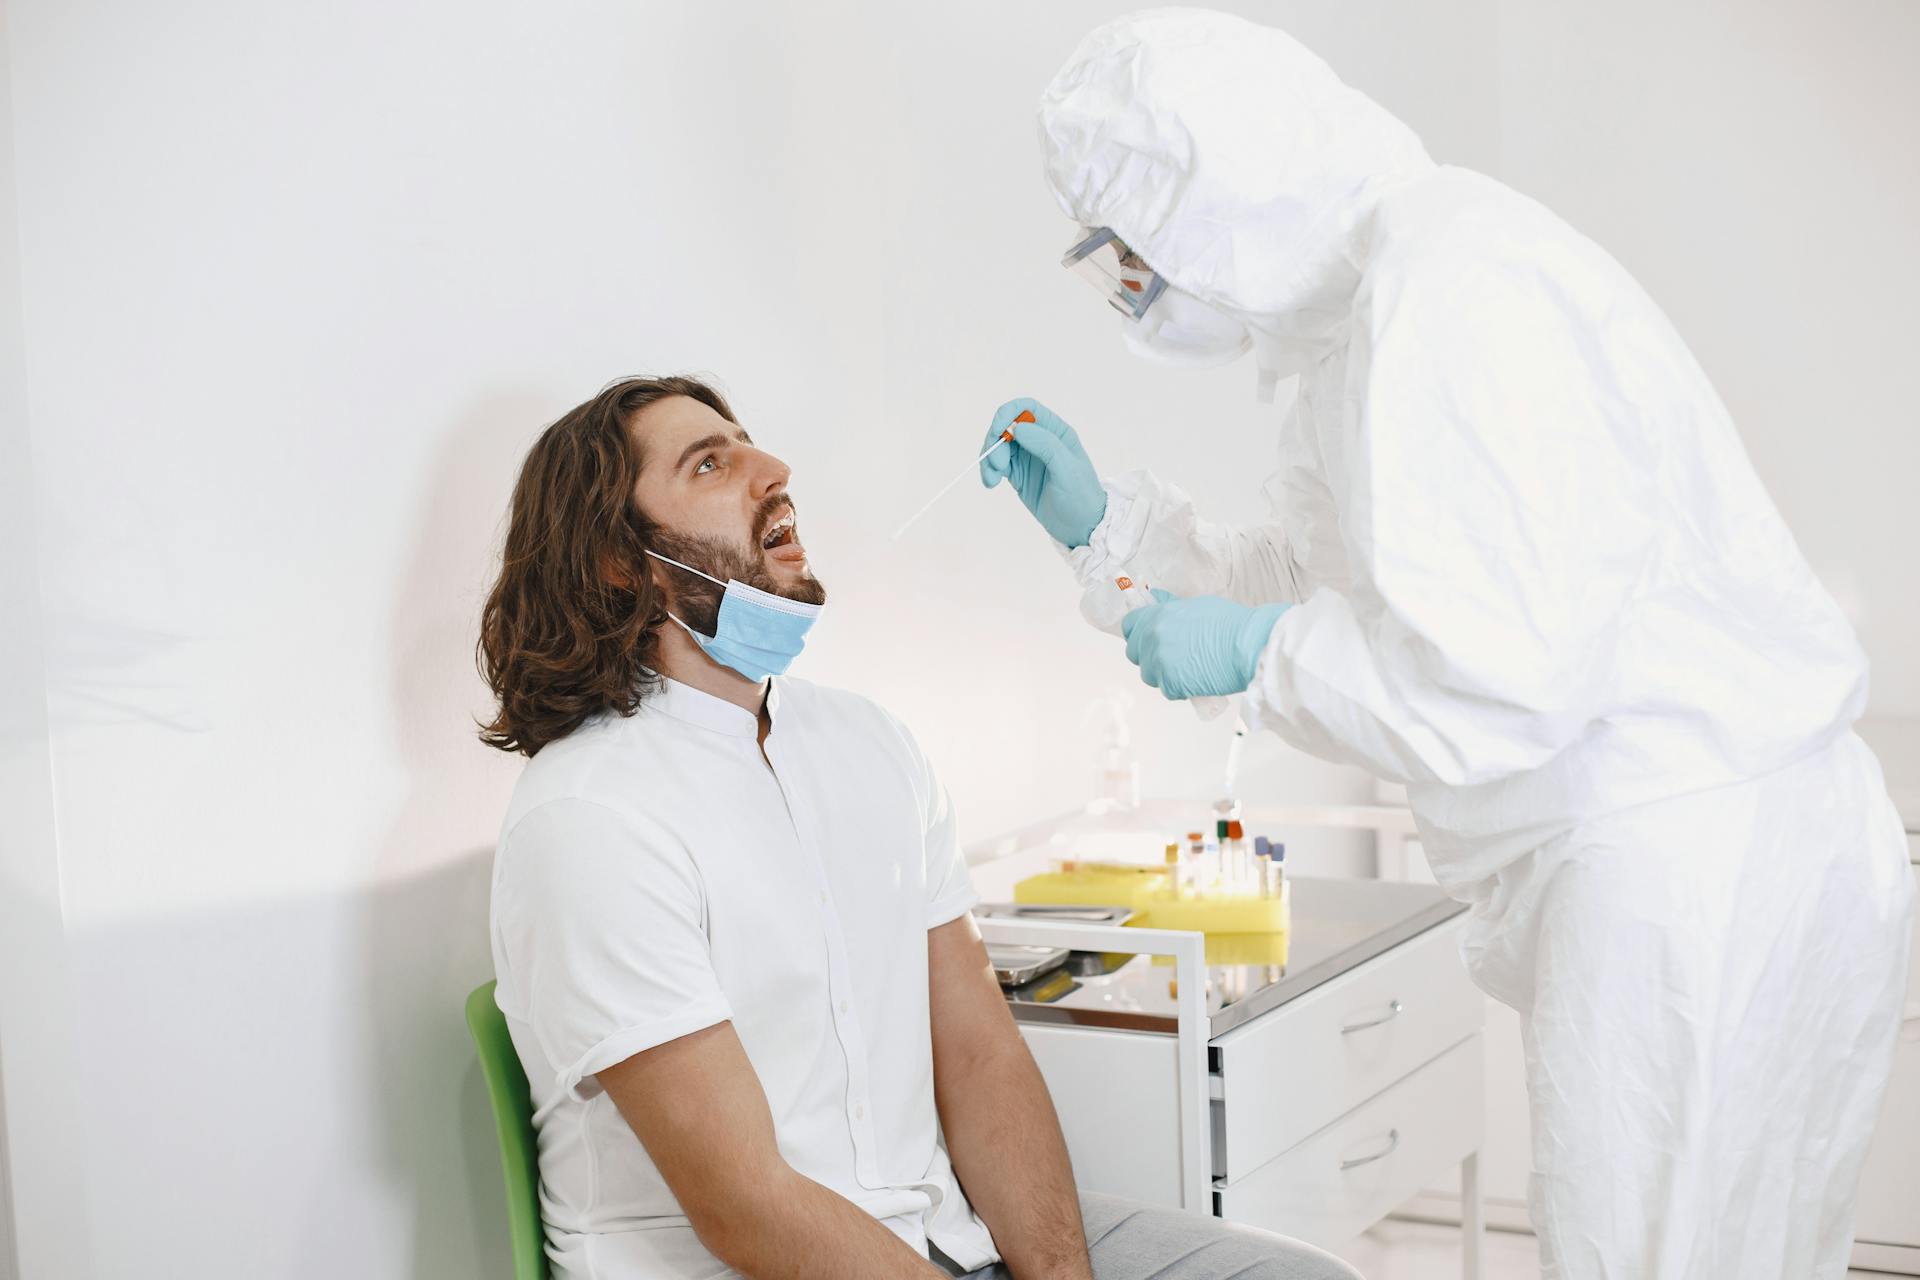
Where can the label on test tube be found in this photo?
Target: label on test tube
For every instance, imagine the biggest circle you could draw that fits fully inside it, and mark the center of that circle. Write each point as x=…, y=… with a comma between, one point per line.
x=1109, y=600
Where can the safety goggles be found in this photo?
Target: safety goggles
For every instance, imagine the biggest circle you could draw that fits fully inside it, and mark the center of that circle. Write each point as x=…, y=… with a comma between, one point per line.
x=1103, y=260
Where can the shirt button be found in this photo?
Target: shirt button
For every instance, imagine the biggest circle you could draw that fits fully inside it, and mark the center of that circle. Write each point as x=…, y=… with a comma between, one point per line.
x=823, y=898
x=843, y=1006
x=859, y=1113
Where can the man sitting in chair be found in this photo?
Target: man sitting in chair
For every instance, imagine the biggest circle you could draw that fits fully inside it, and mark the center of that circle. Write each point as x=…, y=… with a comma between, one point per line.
x=730, y=916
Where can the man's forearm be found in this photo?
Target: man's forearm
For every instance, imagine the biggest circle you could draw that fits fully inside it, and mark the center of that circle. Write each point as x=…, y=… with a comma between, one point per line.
x=1004, y=1140
x=800, y=1230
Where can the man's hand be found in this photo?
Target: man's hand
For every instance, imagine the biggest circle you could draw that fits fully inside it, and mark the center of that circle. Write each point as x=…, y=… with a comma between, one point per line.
x=698, y=1108
x=1002, y=1134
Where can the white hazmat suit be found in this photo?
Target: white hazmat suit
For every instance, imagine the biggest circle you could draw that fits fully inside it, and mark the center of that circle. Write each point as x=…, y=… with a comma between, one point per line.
x=1536, y=579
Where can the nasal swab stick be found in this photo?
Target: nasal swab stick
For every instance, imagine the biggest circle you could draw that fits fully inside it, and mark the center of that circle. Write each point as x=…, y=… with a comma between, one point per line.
x=1026, y=415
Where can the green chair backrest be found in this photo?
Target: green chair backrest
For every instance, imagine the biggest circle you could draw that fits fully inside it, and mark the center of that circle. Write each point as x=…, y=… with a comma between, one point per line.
x=513, y=1118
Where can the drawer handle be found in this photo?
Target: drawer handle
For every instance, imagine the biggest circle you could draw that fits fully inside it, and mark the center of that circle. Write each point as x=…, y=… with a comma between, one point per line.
x=1393, y=1143
x=1393, y=1011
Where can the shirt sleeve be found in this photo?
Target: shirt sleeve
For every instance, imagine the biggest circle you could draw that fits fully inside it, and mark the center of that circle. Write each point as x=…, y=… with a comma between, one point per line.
x=603, y=930
x=950, y=892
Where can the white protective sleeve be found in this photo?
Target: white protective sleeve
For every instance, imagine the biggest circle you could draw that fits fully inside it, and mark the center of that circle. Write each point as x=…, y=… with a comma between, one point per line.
x=1152, y=533
x=1498, y=519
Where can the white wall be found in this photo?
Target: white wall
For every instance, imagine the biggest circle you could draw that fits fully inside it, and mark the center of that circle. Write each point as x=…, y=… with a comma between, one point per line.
x=300, y=283
x=43, y=1190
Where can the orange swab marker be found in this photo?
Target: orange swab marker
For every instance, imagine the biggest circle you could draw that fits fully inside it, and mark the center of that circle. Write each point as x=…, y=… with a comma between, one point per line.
x=1026, y=415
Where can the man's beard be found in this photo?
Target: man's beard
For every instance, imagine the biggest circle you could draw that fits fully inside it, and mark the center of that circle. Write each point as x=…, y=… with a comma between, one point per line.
x=697, y=600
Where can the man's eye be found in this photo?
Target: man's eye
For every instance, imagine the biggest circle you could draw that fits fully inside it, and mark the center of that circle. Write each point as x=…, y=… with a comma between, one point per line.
x=704, y=464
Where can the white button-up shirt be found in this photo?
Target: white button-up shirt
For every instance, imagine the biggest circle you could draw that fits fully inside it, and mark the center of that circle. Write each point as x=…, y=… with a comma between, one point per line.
x=654, y=876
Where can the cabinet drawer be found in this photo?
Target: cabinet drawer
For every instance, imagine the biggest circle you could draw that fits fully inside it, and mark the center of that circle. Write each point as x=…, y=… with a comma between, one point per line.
x=1348, y=1176
x=1124, y=1134
x=1297, y=1069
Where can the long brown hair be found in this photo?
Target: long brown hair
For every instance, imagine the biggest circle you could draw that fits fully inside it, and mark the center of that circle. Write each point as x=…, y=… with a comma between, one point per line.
x=570, y=628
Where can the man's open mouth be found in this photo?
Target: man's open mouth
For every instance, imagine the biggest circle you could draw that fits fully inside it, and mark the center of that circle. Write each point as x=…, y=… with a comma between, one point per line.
x=780, y=534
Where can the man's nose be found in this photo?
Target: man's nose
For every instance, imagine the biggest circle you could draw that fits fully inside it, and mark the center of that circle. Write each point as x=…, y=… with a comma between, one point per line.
x=770, y=475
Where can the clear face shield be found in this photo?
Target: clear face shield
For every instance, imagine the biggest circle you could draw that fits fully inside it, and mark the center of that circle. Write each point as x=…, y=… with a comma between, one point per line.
x=1103, y=260
x=1162, y=323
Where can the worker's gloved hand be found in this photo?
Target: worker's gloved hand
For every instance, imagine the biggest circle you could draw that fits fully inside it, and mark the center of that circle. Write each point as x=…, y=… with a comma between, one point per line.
x=1198, y=647
x=1050, y=471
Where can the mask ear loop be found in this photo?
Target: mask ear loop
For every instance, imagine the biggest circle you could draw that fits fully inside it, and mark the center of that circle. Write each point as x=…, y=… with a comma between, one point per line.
x=690, y=569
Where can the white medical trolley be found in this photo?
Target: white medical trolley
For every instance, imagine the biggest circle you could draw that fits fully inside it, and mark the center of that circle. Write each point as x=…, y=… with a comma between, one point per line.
x=1312, y=1100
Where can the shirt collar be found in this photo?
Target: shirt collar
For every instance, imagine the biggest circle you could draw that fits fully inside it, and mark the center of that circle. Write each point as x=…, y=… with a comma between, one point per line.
x=685, y=703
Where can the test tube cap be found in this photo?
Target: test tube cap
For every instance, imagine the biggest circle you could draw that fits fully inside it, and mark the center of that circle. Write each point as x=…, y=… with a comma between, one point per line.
x=1220, y=829
x=1279, y=852
x=1261, y=847
x=1235, y=831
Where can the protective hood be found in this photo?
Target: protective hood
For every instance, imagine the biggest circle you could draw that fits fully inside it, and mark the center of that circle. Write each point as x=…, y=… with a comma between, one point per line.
x=1231, y=159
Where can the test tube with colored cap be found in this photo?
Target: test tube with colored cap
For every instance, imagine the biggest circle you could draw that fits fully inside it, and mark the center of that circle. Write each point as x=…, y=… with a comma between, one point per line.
x=1136, y=594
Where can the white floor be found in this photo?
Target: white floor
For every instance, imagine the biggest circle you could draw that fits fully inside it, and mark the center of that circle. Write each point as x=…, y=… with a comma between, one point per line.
x=1419, y=1251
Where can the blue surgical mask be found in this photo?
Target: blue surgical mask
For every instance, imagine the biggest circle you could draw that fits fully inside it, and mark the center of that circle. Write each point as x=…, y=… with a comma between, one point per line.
x=757, y=633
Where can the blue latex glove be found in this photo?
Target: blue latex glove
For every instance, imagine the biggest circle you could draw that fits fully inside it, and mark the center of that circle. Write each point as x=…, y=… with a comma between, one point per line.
x=1199, y=647
x=1050, y=471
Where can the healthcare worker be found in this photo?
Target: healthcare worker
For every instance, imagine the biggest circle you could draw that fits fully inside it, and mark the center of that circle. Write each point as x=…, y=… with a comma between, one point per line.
x=1519, y=561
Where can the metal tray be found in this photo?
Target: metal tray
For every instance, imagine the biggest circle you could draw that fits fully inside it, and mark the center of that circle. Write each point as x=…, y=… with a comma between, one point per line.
x=1047, y=911
x=1017, y=966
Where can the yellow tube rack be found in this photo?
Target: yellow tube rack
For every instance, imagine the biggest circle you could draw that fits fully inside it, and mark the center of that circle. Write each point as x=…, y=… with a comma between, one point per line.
x=1207, y=911
x=1090, y=884
x=1240, y=928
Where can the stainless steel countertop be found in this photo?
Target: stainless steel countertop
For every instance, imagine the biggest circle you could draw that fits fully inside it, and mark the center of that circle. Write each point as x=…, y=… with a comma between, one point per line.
x=1338, y=925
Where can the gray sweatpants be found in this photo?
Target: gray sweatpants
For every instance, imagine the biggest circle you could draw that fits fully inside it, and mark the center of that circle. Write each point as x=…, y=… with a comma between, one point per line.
x=1129, y=1241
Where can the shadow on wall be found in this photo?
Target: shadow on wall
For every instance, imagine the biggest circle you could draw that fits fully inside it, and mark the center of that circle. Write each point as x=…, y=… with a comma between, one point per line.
x=426, y=941
x=426, y=948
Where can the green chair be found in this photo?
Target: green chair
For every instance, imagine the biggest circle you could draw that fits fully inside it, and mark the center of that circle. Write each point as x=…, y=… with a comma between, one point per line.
x=513, y=1118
